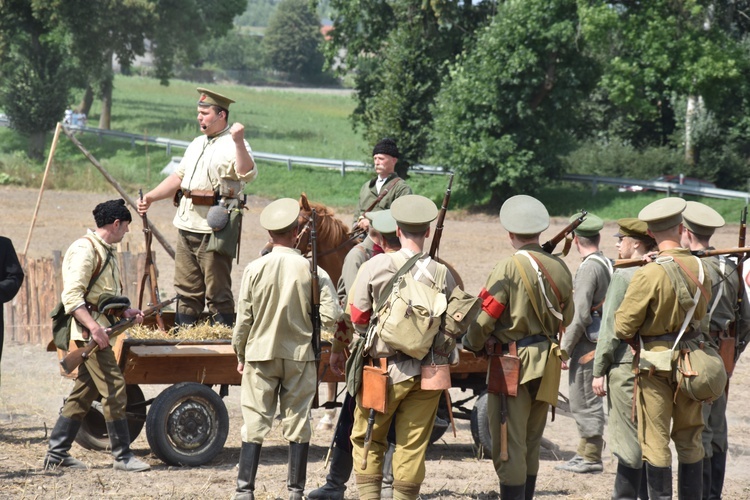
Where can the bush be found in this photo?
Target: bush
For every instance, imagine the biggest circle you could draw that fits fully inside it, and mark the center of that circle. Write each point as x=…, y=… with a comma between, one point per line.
x=612, y=159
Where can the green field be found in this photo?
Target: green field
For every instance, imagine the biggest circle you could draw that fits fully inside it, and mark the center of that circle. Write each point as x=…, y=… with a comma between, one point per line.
x=276, y=121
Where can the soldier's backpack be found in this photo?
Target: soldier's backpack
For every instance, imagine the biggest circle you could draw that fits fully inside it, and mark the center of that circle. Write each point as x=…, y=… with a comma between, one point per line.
x=412, y=312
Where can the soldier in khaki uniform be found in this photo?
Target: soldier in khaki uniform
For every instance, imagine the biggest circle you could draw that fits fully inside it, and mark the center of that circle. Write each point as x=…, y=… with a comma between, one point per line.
x=652, y=314
x=385, y=155
x=511, y=314
x=413, y=408
x=700, y=223
x=272, y=339
x=614, y=359
x=91, y=264
x=589, y=287
x=218, y=162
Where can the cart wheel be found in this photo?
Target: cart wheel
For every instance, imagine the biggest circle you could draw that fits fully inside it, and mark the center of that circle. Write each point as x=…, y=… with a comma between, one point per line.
x=187, y=424
x=93, y=432
x=480, y=425
x=442, y=421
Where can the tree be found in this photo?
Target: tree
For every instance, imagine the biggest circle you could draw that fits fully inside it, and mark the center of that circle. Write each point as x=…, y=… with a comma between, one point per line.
x=502, y=118
x=292, y=40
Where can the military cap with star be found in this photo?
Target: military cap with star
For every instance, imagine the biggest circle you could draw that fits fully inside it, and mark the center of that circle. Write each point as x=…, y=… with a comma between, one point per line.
x=211, y=98
x=590, y=226
x=382, y=222
x=523, y=214
x=413, y=213
x=663, y=214
x=280, y=216
x=633, y=227
x=702, y=219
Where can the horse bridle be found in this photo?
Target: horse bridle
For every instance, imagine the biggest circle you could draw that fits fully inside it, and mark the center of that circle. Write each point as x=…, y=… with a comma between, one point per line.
x=306, y=229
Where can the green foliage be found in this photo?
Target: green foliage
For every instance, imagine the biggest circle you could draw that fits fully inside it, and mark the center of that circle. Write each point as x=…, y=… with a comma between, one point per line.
x=292, y=40
x=502, y=118
x=616, y=159
x=257, y=13
x=234, y=51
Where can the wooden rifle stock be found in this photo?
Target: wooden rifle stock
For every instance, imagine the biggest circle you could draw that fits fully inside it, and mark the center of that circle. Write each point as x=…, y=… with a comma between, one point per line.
x=149, y=272
x=315, y=298
x=74, y=359
x=368, y=438
x=550, y=245
x=441, y=219
x=734, y=325
x=503, y=427
x=620, y=263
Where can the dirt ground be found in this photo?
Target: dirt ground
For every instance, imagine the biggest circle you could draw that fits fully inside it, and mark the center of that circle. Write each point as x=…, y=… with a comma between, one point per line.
x=32, y=389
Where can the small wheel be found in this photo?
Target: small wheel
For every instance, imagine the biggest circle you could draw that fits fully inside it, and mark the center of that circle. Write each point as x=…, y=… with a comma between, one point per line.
x=187, y=424
x=93, y=433
x=480, y=425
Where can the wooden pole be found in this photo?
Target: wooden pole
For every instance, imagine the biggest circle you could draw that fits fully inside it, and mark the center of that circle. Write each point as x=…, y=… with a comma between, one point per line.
x=41, y=189
x=119, y=189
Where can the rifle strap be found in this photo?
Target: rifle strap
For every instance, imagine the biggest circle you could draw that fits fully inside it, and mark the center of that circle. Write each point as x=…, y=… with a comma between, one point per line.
x=383, y=191
x=99, y=269
x=533, y=297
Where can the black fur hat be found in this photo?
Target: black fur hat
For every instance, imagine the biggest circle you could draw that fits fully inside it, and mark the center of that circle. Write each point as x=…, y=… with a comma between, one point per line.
x=386, y=147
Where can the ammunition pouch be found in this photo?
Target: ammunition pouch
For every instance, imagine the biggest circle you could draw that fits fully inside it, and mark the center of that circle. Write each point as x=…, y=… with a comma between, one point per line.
x=504, y=370
x=202, y=197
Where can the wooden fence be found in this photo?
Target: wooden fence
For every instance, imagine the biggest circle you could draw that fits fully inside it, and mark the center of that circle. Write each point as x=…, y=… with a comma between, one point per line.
x=27, y=317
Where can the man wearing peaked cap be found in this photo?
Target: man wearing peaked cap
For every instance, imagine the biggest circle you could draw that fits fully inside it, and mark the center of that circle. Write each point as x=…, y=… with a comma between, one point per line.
x=412, y=408
x=379, y=193
x=274, y=350
x=651, y=314
x=214, y=170
x=700, y=223
x=511, y=321
x=614, y=359
x=579, y=342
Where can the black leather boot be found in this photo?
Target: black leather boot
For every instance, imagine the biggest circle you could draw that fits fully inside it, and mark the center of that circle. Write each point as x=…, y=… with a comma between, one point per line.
x=627, y=483
x=60, y=441
x=227, y=319
x=706, y=478
x=659, y=482
x=530, y=487
x=387, y=489
x=248, y=469
x=718, y=466
x=690, y=481
x=508, y=492
x=338, y=475
x=297, y=472
x=643, y=489
x=182, y=319
x=119, y=437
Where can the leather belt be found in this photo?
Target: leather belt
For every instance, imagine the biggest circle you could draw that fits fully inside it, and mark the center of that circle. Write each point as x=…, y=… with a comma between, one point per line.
x=672, y=336
x=500, y=349
x=398, y=357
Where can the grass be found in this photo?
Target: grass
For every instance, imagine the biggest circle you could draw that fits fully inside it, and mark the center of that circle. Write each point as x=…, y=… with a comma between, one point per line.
x=277, y=121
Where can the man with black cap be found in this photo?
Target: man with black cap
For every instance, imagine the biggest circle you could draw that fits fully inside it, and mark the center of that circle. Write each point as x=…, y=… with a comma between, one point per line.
x=11, y=278
x=579, y=342
x=272, y=340
x=214, y=170
x=614, y=359
x=526, y=302
x=664, y=303
x=379, y=193
x=91, y=278
x=700, y=223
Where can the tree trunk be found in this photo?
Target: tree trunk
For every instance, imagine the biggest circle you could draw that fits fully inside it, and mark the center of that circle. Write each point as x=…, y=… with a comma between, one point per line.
x=88, y=99
x=105, y=94
x=36, y=146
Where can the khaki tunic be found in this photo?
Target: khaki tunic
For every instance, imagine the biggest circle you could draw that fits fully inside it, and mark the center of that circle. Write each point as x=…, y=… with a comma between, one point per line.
x=272, y=338
x=508, y=315
x=368, y=194
x=650, y=308
x=357, y=256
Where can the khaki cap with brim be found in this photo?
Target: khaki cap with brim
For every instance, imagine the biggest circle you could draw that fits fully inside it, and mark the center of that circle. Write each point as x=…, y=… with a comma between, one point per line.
x=211, y=98
x=663, y=214
x=413, y=213
x=280, y=216
x=523, y=214
x=382, y=222
x=633, y=227
x=702, y=219
x=590, y=227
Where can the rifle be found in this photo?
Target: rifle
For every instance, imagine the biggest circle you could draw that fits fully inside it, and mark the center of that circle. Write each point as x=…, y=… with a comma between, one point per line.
x=74, y=359
x=621, y=263
x=730, y=355
x=315, y=297
x=149, y=272
x=441, y=218
x=550, y=245
x=241, y=206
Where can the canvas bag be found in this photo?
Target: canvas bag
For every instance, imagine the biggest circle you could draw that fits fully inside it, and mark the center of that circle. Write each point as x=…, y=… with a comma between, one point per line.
x=701, y=371
x=412, y=313
x=224, y=241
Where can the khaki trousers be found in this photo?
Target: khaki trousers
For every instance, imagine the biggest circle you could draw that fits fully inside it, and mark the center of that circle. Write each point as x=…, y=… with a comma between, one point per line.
x=587, y=408
x=623, y=433
x=201, y=278
x=714, y=435
x=414, y=410
x=99, y=375
x=290, y=383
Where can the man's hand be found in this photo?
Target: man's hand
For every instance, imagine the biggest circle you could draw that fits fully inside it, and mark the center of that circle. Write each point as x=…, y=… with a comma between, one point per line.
x=240, y=368
x=100, y=336
x=237, y=132
x=134, y=313
x=598, y=386
x=363, y=223
x=564, y=365
x=337, y=362
x=143, y=204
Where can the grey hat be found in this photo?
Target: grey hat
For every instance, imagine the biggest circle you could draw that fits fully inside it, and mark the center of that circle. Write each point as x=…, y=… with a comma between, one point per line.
x=112, y=304
x=280, y=216
x=413, y=213
x=590, y=227
x=663, y=214
x=702, y=219
x=522, y=214
x=382, y=222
